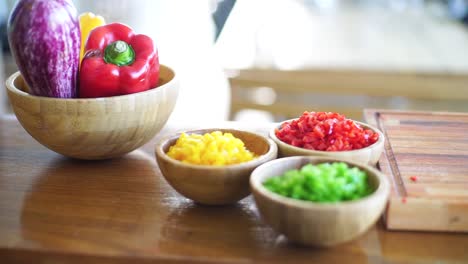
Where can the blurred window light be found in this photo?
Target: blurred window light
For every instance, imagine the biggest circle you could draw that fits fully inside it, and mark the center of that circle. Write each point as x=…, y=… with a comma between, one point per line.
x=459, y=8
x=263, y=96
x=254, y=116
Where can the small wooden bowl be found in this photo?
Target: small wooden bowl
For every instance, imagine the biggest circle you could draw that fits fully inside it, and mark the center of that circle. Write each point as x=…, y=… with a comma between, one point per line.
x=368, y=155
x=95, y=128
x=214, y=185
x=317, y=224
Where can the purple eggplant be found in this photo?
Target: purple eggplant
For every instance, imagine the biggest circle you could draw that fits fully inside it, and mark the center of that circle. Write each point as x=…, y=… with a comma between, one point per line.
x=45, y=39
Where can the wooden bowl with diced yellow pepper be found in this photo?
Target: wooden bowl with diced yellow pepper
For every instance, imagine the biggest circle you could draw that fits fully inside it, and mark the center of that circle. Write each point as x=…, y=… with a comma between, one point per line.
x=201, y=174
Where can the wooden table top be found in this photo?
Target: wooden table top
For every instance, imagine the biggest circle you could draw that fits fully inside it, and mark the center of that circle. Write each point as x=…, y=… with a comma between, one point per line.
x=55, y=210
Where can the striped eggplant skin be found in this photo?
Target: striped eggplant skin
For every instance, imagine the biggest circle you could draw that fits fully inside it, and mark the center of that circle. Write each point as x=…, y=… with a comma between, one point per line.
x=45, y=40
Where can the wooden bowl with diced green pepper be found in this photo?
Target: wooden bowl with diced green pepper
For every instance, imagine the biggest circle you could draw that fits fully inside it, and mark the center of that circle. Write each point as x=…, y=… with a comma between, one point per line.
x=319, y=201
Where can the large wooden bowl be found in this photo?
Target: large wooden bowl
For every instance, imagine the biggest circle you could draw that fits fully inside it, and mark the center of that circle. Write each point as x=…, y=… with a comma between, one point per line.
x=214, y=185
x=317, y=224
x=368, y=155
x=96, y=128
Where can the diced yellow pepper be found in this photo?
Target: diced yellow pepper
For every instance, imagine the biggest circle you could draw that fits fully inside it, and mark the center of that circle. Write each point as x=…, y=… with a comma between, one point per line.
x=215, y=148
x=88, y=22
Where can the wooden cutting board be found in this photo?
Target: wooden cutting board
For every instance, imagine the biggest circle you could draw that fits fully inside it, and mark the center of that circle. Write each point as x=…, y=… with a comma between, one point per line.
x=426, y=159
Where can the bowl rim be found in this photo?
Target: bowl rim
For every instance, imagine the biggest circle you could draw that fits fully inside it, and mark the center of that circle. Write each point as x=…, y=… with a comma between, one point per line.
x=269, y=155
x=10, y=84
x=383, y=188
x=281, y=143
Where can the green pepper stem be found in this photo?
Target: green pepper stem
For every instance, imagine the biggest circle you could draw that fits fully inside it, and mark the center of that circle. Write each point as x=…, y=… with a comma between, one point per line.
x=119, y=53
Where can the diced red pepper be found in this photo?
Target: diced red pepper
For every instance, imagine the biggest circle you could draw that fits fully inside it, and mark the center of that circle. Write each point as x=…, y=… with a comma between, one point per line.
x=325, y=131
x=414, y=178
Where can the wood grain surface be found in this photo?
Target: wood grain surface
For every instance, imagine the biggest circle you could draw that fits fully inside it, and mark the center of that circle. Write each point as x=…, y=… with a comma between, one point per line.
x=426, y=158
x=347, y=91
x=59, y=210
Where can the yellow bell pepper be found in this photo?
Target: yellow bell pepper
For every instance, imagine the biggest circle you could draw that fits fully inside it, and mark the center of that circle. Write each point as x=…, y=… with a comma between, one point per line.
x=88, y=22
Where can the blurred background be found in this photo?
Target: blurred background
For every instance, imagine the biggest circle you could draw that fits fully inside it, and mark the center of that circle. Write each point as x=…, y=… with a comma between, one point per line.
x=269, y=60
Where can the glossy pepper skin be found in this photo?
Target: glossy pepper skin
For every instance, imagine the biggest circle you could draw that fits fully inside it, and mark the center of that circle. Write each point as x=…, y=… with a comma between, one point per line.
x=88, y=22
x=110, y=67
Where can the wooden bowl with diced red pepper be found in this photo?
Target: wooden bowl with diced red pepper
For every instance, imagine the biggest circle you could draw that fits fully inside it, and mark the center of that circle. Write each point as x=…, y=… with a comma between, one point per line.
x=329, y=134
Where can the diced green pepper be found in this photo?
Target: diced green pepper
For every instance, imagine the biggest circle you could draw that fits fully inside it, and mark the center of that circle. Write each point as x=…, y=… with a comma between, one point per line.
x=325, y=182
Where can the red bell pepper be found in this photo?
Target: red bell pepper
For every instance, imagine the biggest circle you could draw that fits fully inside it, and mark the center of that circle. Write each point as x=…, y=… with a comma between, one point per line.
x=117, y=61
